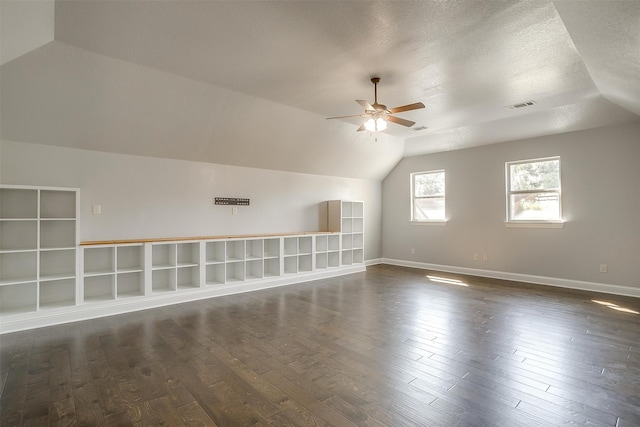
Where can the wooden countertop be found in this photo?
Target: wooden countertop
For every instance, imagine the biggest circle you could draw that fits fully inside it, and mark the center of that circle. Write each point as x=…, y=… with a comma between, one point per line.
x=182, y=239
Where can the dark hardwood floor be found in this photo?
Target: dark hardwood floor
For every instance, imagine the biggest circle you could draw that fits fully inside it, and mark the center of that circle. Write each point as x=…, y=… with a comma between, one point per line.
x=386, y=347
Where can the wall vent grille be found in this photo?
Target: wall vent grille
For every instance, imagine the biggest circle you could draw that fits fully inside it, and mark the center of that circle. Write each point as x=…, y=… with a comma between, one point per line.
x=521, y=105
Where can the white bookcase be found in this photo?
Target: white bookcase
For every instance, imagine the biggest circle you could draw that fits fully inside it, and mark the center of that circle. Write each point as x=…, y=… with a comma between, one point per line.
x=43, y=265
x=38, y=248
x=347, y=218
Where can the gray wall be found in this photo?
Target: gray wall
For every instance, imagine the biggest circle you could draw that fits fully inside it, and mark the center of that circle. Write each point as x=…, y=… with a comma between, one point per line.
x=144, y=197
x=600, y=172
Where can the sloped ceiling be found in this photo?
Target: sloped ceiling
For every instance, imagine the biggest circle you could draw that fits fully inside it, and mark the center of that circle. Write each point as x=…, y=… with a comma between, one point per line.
x=250, y=82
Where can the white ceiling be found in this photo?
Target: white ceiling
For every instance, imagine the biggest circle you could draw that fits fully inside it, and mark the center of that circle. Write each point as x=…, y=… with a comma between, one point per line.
x=250, y=82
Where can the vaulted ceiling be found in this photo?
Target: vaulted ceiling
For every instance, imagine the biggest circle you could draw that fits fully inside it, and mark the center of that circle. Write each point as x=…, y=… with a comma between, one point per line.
x=250, y=83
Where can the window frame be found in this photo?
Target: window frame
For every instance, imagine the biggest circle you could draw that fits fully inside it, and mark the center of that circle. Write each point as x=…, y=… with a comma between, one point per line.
x=532, y=223
x=412, y=177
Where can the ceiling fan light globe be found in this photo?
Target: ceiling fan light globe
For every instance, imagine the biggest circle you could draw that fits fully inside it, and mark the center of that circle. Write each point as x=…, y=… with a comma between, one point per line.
x=375, y=125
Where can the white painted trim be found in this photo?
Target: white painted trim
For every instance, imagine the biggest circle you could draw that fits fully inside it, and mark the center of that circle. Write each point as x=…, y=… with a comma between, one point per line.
x=20, y=322
x=527, y=278
x=374, y=261
x=436, y=222
x=534, y=224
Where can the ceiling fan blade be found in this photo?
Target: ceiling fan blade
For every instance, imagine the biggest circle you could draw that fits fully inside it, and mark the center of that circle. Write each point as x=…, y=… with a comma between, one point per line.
x=365, y=104
x=346, y=117
x=408, y=107
x=361, y=128
x=398, y=120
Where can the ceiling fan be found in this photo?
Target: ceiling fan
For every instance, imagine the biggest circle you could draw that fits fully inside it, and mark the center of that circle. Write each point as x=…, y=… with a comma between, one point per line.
x=378, y=114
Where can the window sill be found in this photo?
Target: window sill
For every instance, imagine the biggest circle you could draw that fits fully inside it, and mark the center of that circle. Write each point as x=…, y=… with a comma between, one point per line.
x=437, y=222
x=534, y=224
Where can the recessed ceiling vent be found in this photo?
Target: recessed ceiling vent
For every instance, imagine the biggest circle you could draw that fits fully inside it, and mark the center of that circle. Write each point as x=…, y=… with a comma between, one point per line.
x=521, y=105
x=417, y=128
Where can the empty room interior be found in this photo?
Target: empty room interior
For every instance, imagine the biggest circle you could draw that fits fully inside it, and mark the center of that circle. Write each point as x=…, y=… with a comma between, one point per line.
x=340, y=213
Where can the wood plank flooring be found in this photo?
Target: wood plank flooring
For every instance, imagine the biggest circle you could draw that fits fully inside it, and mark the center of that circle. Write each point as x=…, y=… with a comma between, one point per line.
x=387, y=347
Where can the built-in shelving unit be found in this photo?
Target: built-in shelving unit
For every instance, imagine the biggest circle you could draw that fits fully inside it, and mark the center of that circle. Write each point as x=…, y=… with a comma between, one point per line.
x=44, y=266
x=347, y=218
x=38, y=241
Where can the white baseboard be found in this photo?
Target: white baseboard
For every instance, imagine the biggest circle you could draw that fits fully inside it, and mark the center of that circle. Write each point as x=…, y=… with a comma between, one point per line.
x=527, y=278
x=50, y=317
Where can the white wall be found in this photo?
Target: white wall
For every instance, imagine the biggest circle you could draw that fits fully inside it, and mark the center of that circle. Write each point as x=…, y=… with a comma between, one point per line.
x=143, y=197
x=600, y=172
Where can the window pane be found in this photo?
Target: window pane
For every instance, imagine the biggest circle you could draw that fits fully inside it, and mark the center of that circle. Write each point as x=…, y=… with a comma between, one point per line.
x=535, y=206
x=535, y=175
x=429, y=184
x=426, y=209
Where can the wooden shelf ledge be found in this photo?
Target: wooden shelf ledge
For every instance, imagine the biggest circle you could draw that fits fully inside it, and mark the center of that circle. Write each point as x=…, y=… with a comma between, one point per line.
x=197, y=238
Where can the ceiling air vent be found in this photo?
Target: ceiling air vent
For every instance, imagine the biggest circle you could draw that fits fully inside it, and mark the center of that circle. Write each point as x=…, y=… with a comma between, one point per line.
x=521, y=105
x=419, y=128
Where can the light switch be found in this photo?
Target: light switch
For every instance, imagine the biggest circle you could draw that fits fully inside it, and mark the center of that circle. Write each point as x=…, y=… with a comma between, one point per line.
x=97, y=209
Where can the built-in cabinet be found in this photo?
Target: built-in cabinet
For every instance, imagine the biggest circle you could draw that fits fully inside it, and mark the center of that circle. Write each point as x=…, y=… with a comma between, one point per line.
x=347, y=218
x=38, y=248
x=44, y=266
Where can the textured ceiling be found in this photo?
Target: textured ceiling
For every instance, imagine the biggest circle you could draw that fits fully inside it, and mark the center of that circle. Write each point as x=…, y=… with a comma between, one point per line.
x=250, y=82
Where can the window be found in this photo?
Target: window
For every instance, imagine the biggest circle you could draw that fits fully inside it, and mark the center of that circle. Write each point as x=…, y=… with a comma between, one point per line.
x=533, y=190
x=427, y=196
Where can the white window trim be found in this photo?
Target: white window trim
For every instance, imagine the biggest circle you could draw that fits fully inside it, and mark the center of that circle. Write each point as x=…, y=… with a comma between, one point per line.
x=436, y=222
x=514, y=223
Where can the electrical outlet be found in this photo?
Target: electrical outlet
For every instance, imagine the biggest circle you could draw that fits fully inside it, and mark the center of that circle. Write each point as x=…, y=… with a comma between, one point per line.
x=413, y=251
x=97, y=209
x=604, y=268
x=485, y=257
x=234, y=211
x=475, y=257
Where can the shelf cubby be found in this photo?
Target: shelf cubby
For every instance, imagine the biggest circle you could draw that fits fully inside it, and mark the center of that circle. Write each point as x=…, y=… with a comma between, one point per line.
x=130, y=284
x=57, y=234
x=290, y=264
x=347, y=257
x=305, y=263
x=272, y=267
x=235, y=250
x=305, y=245
x=358, y=225
x=255, y=249
x=333, y=242
x=99, y=288
x=17, y=299
x=358, y=256
x=18, y=235
x=215, y=274
x=347, y=241
x=235, y=271
x=18, y=203
x=163, y=255
x=347, y=209
x=57, y=264
x=130, y=258
x=271, y=248
x=333, y=259
x=357, y=241
x=290, y=246
x=321, y=260
x=57, y=204
x=58, y=293
x=347, y=225
x=163, y=280
x=18, y=267
x=99, y=260
x=188, y=254
x=215, y=252
x=357, y=209
x=321, y=243
x=254, y=269
x=188, y=277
